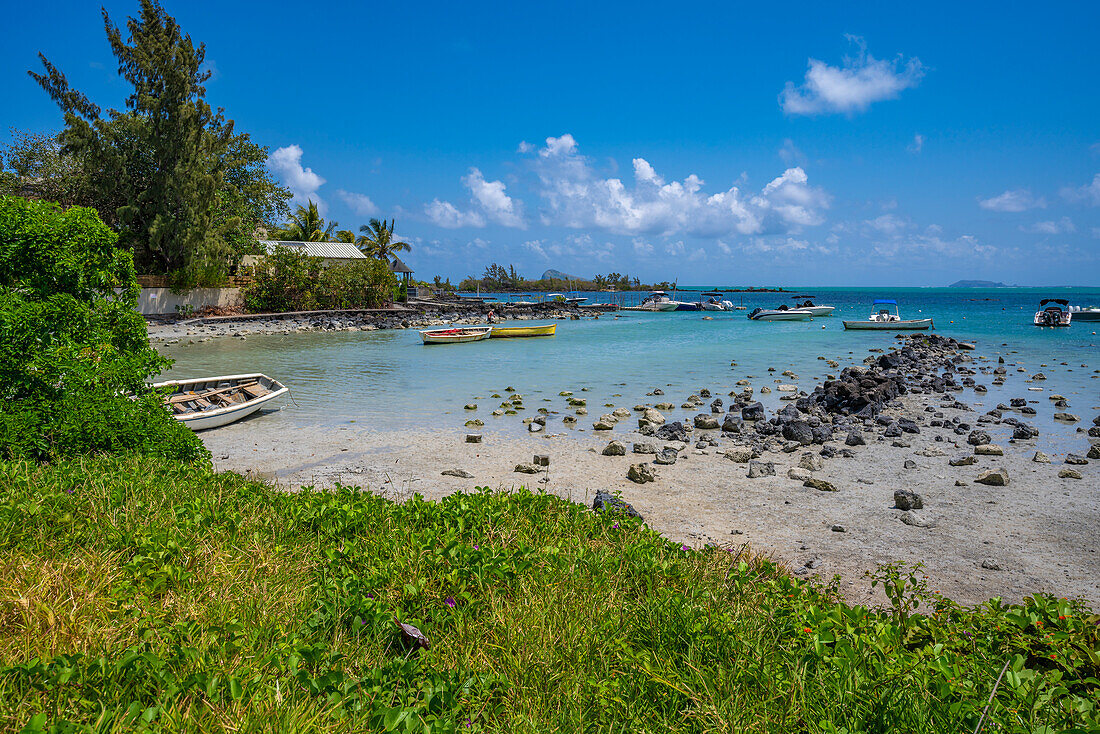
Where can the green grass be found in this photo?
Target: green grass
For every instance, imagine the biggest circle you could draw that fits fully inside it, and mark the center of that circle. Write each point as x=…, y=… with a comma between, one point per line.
x=146, y=594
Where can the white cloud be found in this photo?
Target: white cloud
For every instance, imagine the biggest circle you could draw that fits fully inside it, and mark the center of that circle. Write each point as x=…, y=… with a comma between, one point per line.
x=361, y=204
x=917, y=145
x=852, y=87
x=1089, y=193
x=574, y=195
x=447, y=215
x=1062, y=226
x=302, y=182
x=675, y=248
x=1015, y=200
x=490, y=196
x=698, y=254
x=726, y=249
x=641, y=247
x=931, y=243
x=525, y=147
x=887, y=224
x=536, y=247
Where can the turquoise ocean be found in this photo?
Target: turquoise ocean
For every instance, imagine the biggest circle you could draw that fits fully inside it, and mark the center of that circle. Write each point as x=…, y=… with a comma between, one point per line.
x=389, y=379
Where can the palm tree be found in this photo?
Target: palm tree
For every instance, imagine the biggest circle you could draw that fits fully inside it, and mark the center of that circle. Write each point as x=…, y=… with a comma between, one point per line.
x=345, y=235
x=307, y=225
x=377, y=240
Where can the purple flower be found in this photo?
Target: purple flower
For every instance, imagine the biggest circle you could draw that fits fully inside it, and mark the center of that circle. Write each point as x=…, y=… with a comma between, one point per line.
x=615, y=526
x=449, y=601
x=476, y=547
x=370, y=595
x=68, y=491
x=684, y=548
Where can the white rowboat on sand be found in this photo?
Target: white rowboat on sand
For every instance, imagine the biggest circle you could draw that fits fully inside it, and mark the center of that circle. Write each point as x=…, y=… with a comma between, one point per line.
x=210, y=402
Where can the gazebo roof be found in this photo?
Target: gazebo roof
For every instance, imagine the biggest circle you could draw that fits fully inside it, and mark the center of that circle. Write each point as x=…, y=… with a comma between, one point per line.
x=398, y=266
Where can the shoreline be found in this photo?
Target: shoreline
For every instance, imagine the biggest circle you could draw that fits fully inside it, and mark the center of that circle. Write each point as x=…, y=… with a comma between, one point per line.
x=1038, y=533
x=194, y=330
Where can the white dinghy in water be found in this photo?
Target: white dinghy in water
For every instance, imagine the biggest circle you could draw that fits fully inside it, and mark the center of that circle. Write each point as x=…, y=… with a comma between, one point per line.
x=210, y=402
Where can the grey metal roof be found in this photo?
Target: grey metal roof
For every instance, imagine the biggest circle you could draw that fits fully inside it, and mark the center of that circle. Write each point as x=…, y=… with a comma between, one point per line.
x=340, y=250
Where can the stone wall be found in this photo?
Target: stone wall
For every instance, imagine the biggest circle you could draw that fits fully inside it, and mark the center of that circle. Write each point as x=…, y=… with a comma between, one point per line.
x=164, y=301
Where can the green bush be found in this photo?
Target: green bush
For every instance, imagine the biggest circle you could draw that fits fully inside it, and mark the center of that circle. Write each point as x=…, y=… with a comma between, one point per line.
x=290, y=280
x=72, y=345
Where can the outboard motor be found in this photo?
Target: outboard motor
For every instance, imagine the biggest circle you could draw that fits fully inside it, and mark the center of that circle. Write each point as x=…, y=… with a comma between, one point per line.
x=754, y=312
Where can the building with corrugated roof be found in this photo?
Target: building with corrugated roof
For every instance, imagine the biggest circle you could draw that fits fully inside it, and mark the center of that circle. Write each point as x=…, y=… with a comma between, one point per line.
x=339, y=252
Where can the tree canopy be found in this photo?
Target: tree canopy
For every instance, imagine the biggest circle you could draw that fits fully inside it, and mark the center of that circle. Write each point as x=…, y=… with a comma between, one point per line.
x=168, y=172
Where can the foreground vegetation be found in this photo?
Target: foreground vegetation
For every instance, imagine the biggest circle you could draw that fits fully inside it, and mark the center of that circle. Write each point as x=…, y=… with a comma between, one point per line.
x=142, y=593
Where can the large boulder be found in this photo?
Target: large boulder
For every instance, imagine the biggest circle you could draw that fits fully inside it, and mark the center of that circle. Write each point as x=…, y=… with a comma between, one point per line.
x=753, y=412
x=993, y=477
x=739, y=454
x=615, y=448
x=811, y=462
x=706, y=421
x=978, y=438
x=640, y=474
x=665, y=456
x=653, y=416
x=855, y=438
x=819, y=484
x=798, y=431
x=643, y=448
x=907, y=499
x=732, y=423
x=761, y=469
x=674, y=431
x=607, y=502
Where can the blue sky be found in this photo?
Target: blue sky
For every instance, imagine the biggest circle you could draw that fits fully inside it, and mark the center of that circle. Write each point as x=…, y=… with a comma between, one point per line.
x=877, y=144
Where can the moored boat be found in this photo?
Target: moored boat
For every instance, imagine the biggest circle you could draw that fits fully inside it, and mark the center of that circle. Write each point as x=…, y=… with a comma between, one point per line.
x=655, y=301
x=817, y=311
x=505, y=332
x=1057, y=313
x=780, y=314
x=210, y=402
x=455, y=336
x=882, y=319
x=1086, y=313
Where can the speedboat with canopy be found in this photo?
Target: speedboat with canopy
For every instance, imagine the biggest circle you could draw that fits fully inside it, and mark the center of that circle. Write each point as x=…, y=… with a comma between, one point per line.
x=1053, y=312
x=882, y=318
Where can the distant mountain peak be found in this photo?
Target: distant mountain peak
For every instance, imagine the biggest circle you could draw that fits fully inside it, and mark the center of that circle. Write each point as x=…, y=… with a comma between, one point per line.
x=558, y=275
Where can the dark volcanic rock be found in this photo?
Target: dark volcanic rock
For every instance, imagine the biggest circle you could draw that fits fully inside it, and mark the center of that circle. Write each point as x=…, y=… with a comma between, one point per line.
x=607, y=502
x=855, y=438
x=672, y=432
x=907, y=499
x=753, y=412
x=798, y=431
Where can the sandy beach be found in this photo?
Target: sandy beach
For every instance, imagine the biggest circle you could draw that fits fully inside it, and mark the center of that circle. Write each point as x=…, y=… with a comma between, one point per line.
x=1037, y=533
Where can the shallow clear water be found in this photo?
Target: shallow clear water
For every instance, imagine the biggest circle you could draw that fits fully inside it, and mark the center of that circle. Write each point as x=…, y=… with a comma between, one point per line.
x=390, y=379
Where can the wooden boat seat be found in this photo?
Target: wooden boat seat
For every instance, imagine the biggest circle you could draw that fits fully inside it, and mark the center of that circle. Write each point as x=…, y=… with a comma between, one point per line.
x=255, y=390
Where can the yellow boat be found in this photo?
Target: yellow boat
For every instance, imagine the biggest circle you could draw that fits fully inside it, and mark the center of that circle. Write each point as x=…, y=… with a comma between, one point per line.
x=505, y=332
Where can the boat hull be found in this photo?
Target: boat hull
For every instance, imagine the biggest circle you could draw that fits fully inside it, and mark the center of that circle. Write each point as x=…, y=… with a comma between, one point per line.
x=202, y=420
x=507, y=332
x=1083, y=315
x=793, y=315
x=819, y=311
x=455, y=336
x=904, y=325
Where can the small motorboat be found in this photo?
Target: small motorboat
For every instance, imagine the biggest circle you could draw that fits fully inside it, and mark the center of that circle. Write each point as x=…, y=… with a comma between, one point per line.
x=715, y=302
x=563, y=298
x=1086, y=313
x=210, y=402
x=455, y=336
x=783, y=313
x=883, y=319
x=507, y=332
x=808, y=305
x=1055, y=314
x=655, y=301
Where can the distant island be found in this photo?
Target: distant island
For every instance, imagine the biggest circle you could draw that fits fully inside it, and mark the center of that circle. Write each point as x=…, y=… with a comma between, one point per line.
x=980, y=284
x=559, y=275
